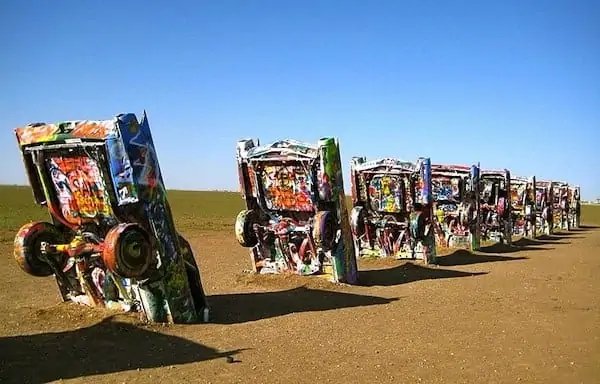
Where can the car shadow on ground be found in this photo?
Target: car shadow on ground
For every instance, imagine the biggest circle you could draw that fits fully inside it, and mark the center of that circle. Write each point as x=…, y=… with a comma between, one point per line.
x=408, y=273
x=106, y=347
x=244, y=307
x=466, y=257
x=561, y=236
x=524, y=243
x=520, y=245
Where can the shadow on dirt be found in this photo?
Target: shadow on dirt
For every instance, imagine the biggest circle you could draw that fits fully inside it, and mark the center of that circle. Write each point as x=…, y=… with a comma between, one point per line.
x=525, y=243
x=408, y=273
x=106, y=347
x=517, y=246
x=569, y=234
x=586, y=228
x=243, y=307
x=465, y=257
x=561, y=236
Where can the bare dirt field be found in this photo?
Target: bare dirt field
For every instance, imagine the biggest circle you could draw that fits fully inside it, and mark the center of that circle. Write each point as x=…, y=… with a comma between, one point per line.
x=528, y=314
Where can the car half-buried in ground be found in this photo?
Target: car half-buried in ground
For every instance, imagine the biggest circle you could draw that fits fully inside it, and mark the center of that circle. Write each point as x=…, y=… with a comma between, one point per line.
x=296, y=219
x=112, y=240
x=392, y=214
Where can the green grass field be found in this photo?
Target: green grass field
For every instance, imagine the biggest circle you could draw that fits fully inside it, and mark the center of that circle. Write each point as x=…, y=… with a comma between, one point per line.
x=193, y=210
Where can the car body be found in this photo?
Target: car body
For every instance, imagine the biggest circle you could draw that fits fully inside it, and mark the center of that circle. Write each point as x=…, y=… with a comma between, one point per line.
x=392, y=213
x=496, y=217
x=455, y=190
x=544, y=207
x=112, y=240
x=296, y=219
x=574, y=206
x=561, y=205
x=523, y=206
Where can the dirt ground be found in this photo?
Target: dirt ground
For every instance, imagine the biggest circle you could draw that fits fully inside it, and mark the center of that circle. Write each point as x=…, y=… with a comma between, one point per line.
x=529, y=314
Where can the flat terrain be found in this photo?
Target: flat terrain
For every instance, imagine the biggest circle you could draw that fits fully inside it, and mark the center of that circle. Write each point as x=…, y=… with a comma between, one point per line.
x=529, y=314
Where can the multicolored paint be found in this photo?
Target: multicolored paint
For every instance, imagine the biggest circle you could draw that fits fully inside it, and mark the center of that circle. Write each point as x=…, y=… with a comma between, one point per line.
x=287, y=188
x=561, y=205
x=574, y=196
x=523, y=206
x=496, y=217
x=544, y=209
x=112, y=241
x=296, y=219
x=456, y=205
x=79, y=187
x=392, y=213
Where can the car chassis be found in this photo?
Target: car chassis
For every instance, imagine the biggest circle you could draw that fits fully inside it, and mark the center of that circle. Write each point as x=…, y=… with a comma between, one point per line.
x=112, y=241
x=392, y=212
x=296, y=219
x=457, y=215
x=561, y=205
x=523, y=208
x=575, y=206
x=544, y=207
x=496, y=218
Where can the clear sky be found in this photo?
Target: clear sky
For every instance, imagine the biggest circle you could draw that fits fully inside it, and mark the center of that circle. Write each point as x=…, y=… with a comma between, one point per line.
x=511, y=84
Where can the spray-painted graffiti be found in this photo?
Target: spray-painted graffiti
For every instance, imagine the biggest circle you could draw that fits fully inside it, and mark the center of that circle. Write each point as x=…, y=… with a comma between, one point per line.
x=456, y=205
x=560, y=205
x=496, y=218
x=80, y=188
x=523, y=209
x=386, y=193
x=543, y=208
x=392, y=213
x=446, y=189
x=132, y=259
x=122, y=172
x=284, y=184
x=574, y=197
x=287, y=188
x=84, y=129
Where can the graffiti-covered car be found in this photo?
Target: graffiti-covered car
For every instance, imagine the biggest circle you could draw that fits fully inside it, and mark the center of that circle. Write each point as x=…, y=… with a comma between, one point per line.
x=296, y=219
x=112, y=241
x=455, y=190
x=523, y=206
x=496, y=218
x=392, y=212
x=574, y=206
x=561, y=205
x=544, y=208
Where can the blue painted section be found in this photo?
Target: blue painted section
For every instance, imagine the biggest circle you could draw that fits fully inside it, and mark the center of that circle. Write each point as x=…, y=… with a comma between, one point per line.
x=138, y=143
x=121, y=171
x=474, y=176
x=426, y=177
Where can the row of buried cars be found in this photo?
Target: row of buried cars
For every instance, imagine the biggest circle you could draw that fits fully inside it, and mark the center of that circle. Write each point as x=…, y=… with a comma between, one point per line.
x=296, y=218
x=111, y=240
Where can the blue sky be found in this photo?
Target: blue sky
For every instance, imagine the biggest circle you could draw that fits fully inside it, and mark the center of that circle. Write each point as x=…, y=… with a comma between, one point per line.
x=457, y=81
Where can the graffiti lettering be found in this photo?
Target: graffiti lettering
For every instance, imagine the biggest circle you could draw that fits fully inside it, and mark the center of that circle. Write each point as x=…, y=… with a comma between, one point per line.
x=80, y=188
